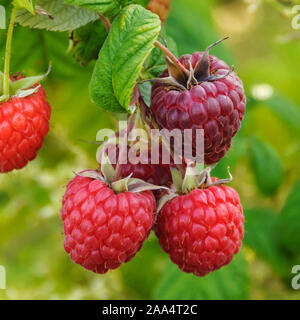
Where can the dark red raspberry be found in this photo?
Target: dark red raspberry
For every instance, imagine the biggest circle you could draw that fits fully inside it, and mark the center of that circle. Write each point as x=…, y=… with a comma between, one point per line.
x=217, y=106
x=24, y=123
x=160, y=7
x=157, y=174
x=201, y=231
x=103, y=229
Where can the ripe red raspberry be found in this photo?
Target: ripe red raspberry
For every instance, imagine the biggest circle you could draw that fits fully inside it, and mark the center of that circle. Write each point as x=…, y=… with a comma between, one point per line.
x=160, y=7
x=24, y=123
x=202, y=230
x=214, y=104
x=103, y=229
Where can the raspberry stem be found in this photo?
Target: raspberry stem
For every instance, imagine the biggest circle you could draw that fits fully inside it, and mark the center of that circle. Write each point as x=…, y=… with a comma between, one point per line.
x=8, y=53
x=123, y=149
x=105, y=21
x=169, y=54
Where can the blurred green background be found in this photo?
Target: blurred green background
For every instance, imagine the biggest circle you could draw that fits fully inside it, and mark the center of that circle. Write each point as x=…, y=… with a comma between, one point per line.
x=264, y=160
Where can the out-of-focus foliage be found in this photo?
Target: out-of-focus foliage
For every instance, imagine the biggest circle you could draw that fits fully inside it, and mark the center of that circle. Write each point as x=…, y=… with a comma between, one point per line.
x=266, y=165
x=290, y=223
x=87, y=41
x=227, y=283
x=264, y=239
x=30, y=227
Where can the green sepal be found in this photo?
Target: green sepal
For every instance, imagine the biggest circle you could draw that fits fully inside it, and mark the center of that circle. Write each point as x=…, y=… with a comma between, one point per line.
x=121, y=185
x=19, y=86
x=1, y=81
x=199, y=167
x=138, y=185
x=93, y=174
x=177, y=179
x=27, y=92
x=23, y=87
x=134, y=185
x=190, y=181
x=163, y=200
x=107, y=169
x=4, y=98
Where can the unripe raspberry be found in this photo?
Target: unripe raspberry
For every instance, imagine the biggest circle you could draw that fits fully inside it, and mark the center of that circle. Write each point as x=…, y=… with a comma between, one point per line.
x=103, y=229
x=202, y=230
x=157, y=174
x=24, y=123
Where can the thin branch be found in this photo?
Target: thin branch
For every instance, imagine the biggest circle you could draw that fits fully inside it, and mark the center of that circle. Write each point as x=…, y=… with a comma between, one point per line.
x=105, y=21
x=123, y=148
x=169, y=54
x=8, y=52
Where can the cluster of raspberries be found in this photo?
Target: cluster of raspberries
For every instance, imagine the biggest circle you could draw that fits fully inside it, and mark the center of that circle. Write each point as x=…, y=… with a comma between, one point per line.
x=201, y=229
x=106, y=221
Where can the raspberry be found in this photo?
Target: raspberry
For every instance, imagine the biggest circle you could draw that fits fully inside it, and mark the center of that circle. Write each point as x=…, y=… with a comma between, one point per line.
x=24, y=123
x=160, y=7
x=215, y=103
x=157, y=174
x=103, y=229
x=202, y=230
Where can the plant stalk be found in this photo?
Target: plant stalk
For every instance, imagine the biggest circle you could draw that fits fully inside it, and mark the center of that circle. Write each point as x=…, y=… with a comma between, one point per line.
x=169, y=54
x=8, y=53
x=105, y=21
x=123, y=148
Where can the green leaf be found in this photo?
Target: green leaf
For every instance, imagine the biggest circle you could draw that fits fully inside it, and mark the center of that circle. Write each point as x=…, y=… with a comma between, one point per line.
x=64, y=17
x=290, y=222
x=286, y=110
x=145, y=90
x=121, y=58
x=105, y=7
x=267, y=166
x=87, y=41
x=25, y=4
x=230, y=282
x=261, y=234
